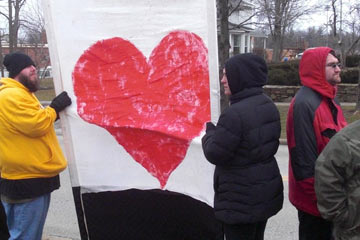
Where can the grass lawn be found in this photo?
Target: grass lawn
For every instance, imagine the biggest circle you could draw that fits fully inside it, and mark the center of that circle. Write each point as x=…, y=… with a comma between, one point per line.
x=348, y=112
x=46, y=91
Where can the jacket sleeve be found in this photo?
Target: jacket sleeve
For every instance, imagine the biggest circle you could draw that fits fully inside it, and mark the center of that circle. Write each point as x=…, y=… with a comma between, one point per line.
x=24, y=115
x=330, y=182
x=220, y=143
x=305, y=152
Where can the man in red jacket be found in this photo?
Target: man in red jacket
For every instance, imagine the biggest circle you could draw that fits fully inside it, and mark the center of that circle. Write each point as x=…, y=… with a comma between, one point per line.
x=314, y=117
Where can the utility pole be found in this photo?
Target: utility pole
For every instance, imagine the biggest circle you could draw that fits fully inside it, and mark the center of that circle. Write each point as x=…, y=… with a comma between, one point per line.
x=341, y=22
x=327, y=7
x=341, y=44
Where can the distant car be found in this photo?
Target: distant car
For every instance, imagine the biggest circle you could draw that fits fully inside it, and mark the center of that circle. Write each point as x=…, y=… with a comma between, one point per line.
x=45, y=72
x=299, y=55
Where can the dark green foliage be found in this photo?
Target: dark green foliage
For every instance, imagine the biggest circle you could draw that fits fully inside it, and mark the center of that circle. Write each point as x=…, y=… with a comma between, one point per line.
x=352, y=61
x=350, y=75
x=285, y=73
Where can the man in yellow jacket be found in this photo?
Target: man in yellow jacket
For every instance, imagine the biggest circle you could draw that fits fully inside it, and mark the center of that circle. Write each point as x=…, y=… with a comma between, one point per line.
x=30, y=155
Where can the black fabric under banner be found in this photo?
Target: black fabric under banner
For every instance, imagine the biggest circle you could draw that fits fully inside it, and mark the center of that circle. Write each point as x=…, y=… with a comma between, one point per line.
x=80, y=213
x=144, y=215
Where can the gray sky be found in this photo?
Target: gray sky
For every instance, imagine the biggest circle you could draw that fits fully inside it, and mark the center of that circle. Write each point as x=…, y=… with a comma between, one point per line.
x=316, y=19
x=321, y=16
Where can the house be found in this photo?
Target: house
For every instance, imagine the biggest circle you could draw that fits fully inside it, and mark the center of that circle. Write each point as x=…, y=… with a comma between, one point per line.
x=39, y=53
x=242, y=35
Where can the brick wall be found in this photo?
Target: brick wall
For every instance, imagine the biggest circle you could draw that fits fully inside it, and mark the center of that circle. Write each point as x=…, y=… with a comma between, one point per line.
x=346, y=92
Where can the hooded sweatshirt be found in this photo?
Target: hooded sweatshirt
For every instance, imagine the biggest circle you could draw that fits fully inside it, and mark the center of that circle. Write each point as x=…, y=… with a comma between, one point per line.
x=314, y=117
x=247, y=181
x=29, y=148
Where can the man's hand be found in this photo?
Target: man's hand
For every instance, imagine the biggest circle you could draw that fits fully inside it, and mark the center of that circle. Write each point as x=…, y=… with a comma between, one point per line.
x=60, y=102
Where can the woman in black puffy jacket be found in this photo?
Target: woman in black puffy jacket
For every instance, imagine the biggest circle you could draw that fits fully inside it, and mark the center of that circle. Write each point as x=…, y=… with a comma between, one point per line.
x=247, y=181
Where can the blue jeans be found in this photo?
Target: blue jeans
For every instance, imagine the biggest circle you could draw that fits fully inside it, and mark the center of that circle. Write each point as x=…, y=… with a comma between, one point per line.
x=26, y=220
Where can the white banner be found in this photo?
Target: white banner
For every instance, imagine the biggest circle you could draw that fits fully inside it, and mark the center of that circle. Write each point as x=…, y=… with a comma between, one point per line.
x=143, y=76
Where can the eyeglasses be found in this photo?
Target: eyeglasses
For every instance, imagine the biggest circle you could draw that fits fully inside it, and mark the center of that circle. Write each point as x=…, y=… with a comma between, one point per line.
x=334, y=65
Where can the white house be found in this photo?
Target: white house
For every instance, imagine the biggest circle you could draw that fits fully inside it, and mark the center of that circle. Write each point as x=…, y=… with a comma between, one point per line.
x=242, y=36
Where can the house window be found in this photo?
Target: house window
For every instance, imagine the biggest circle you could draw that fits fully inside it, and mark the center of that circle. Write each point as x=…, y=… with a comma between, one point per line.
x=237, y=44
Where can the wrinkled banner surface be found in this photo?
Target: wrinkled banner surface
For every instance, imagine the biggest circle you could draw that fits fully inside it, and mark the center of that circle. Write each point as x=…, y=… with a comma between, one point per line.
x=143, y=78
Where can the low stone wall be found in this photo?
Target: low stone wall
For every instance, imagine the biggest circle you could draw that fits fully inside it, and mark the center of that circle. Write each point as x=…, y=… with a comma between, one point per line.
x=281, y=93
x=346, y=92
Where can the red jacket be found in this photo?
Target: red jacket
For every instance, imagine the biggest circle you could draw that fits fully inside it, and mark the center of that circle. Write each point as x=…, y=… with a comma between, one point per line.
x=314, y=117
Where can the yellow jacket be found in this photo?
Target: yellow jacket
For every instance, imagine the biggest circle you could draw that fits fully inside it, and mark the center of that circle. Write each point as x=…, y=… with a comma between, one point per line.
x=28, y=144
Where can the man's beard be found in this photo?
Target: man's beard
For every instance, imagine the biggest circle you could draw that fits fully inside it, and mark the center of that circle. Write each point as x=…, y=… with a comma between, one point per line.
x=25, y=80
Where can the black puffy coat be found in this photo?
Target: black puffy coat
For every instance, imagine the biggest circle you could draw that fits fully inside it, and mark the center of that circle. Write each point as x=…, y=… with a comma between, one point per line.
x=247, y=181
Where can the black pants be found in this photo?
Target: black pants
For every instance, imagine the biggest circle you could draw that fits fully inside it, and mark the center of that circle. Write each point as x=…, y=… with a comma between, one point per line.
x=4, y=232
x=249, y=231
x=313, y=227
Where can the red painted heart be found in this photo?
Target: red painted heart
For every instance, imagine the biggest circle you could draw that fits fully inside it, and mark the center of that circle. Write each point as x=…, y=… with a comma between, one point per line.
x=153, y=108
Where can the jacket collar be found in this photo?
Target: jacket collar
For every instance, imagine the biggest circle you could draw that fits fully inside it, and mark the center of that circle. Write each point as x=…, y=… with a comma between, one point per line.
x=11, y=83
x=245, y=93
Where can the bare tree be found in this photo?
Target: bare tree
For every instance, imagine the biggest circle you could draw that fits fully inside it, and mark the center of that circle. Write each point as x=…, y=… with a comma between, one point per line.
x=336, y=28
x=11, y=12
x=279, y=16
x=12, y=15
x=225, y=8
x=357, y=107
x=354, y=24
x=345, y=43
x=334, y=21
x=356, y=9
x=223, y=43
x=33, y=24
x=2, y=35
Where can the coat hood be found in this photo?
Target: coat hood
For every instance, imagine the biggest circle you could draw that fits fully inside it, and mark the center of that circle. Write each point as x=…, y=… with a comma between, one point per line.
x=312, y=71
x=10, y=83
x=245, y=71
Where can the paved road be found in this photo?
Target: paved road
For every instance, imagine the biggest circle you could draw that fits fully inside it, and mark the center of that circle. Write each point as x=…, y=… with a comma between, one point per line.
x=61, y=222
x=283, y=226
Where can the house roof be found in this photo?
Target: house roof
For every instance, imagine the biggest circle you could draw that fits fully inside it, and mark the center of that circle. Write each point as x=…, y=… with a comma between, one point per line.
x=258, y=34
x=233, y=28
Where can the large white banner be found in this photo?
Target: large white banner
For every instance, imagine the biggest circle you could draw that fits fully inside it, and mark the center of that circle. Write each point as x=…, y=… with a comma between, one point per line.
x=143, y=76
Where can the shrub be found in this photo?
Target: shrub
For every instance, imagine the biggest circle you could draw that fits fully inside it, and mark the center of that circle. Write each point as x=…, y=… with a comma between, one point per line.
x=352, y=61
x=350, y=75
x=285, y=73
x=277, y=77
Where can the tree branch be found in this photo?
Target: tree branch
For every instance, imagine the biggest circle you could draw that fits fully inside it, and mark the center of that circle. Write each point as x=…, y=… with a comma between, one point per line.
x=353, y=45
x=235, y=8
x=4, y=15
x=243, y=23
